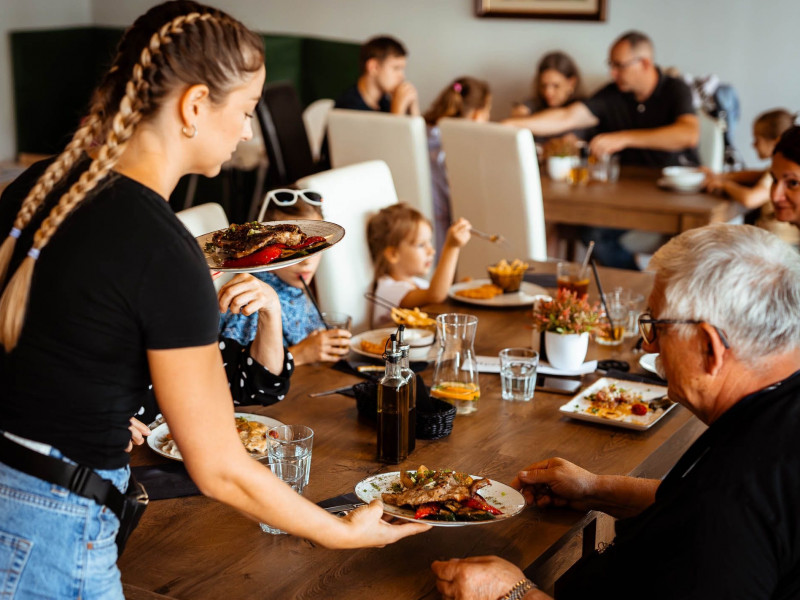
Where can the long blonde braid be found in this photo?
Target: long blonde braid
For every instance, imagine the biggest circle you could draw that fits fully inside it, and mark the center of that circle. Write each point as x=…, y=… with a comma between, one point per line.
x=14, y=301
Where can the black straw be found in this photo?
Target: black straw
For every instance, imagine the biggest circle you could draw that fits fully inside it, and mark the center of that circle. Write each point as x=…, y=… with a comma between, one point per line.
x=602, y=295
x=314, y=302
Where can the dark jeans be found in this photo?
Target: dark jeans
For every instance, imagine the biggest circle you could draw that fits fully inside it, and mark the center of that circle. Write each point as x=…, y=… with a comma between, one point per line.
x=607, y=249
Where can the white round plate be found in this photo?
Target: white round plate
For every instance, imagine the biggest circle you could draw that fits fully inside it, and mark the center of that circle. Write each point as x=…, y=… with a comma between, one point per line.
x=666, y=184
x=418, y=353
x=157, y=437
x=648, y=363
x=332, y=233
x=505, y=498
x=528, y=294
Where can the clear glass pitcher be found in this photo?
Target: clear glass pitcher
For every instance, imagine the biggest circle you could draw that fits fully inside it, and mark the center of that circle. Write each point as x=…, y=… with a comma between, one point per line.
x=455, y=379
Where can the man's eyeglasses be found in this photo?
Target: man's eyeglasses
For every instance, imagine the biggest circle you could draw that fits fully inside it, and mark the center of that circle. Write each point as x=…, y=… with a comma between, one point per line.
x=612, y=64
x=647, y=327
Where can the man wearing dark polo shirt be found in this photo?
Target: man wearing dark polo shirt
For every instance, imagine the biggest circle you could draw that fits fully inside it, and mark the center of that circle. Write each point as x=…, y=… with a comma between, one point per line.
x=645, y=116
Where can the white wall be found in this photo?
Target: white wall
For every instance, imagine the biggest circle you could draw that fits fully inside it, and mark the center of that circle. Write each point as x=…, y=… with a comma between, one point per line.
x=746, y=42
x=29, y=14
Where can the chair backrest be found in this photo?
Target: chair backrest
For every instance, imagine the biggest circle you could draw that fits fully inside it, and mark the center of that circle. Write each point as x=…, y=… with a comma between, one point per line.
x=494, y=183
x=280, y=116
x=712, y=142
x=315, y=118
x=351, y=195
x=201, y=219
x=356, y=136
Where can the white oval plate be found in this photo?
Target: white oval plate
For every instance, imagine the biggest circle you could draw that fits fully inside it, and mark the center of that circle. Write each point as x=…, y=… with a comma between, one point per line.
x=648, y=363
x=665, y=184
x=528, y=294
x=332, y=233
x=157, y=437
x=376, y=335
x=499, y=495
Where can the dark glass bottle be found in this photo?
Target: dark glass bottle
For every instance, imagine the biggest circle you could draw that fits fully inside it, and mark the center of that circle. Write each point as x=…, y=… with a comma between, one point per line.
x=411, y=377
x=393, y=402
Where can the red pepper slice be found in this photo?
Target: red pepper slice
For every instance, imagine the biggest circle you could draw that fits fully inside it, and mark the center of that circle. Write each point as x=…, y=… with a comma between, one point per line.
x=427, y=509
x=268, y=253
x=480, y=504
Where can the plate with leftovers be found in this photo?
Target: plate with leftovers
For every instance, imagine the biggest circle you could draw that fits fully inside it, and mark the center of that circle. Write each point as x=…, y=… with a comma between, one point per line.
x=648, y=363
x=627, y=404
x=483, y=292
x=252, y=431
x=253, y=247
x=371, y=343
x=443, y=497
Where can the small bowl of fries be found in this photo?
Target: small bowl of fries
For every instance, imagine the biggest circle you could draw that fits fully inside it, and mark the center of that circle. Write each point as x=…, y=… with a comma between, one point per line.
x=413, y=318
x=508, y=276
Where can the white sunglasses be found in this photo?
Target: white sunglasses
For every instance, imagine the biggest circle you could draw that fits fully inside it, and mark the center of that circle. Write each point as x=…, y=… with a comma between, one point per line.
x=287, y=197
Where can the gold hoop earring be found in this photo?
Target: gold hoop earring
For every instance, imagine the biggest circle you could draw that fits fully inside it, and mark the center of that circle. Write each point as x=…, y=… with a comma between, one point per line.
x=189, y=135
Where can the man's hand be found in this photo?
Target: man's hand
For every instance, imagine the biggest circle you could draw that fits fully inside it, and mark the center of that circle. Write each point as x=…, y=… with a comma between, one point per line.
x=475, y=578
x=404, y=100
x=556, y=482
x=609, y=143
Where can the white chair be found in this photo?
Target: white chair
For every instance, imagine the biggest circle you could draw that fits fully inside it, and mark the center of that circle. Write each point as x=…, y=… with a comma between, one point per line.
x=351, y=196
x=494, y=183
x=315, y=117
x=356, y=136
x=201, y=219
x=711, y=147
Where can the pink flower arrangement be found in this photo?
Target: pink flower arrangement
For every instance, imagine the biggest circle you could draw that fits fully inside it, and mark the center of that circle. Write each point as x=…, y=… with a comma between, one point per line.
x=566, y=314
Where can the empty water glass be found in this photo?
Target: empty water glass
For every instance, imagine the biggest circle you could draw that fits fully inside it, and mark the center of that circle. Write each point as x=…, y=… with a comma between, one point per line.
x=518, y=373
x=292, y=443
x=291, y=475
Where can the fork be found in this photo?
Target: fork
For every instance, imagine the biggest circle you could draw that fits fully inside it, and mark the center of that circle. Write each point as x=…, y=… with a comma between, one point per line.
x=490, y=237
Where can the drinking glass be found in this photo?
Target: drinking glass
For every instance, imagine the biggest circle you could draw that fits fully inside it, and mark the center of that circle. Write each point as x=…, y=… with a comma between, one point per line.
x=573, y=277
x=604, y=168
x=337, y=320
x=613, y=330
x=635, y=303
x=518, y=373
x=291, y=475
x=293, y=444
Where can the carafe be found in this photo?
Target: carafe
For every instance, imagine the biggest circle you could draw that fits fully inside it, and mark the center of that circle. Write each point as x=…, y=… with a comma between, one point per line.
x=455, y=379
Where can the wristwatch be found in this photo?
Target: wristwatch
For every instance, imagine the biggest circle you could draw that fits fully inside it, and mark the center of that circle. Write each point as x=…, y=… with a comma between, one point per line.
x=519, y=590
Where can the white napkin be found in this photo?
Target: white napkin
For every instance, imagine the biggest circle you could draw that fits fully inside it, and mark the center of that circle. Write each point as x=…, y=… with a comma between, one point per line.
x=491, y=364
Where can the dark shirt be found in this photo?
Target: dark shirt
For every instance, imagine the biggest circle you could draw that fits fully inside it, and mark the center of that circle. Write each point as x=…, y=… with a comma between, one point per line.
x=352, y=99
x=618, y=111
x=726, y=519
x=119, y=277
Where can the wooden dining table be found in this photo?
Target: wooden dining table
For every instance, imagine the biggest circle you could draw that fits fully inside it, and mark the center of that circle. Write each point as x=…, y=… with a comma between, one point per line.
x=194, y=547
x=635, y=201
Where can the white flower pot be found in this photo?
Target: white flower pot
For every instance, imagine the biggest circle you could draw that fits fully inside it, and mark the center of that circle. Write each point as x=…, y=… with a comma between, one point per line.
x=558, y=167
x=566, y=351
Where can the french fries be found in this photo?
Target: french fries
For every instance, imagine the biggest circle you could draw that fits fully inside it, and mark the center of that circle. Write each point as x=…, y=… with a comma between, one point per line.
x=504, y=268
x=412, y=317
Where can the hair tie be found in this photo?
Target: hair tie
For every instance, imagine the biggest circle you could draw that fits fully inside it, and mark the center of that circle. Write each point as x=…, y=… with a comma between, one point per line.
x=15, y=233
x=457, y=87
x=34, y=253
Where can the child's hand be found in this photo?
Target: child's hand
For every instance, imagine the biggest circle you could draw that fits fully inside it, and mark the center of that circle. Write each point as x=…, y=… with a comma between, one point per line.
x=326, y=345
x=244, y=294
x=458, y=234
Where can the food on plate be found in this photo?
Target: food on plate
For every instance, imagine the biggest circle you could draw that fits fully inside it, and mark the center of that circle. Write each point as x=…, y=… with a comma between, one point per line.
x=374, y=347
x=505, y=268
x=254, y=244
x=614, y=402
x=508, y=276
x=253, y=435
x=441, y=495
x=413, y=318
x=487, y=291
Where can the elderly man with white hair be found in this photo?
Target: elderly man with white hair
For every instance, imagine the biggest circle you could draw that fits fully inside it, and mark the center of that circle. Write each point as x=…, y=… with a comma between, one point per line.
x=724, y=314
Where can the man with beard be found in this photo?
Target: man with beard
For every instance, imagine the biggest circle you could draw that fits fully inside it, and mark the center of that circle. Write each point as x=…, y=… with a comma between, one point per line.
x=724, y=314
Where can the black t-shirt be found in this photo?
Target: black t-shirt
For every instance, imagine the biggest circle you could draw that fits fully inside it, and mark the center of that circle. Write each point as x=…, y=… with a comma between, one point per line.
x=726, y=520
x=351, y=98
x=121, y=275
x=619, y=111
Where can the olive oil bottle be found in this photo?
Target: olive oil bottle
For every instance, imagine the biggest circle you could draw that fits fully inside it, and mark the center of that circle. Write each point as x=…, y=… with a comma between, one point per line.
x=411, y=377
x=394, y=395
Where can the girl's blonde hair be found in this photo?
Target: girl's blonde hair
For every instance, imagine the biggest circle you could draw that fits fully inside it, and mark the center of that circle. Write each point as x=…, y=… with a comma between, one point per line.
x=173, y=45
x=773, y=123
x=459, y=99
x=387, y=229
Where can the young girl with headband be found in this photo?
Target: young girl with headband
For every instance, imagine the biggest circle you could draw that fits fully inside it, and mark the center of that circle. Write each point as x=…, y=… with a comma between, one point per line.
x=105, y=293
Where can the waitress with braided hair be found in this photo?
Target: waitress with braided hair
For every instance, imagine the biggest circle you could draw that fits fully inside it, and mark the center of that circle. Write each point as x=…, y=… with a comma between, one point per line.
x=105, y=293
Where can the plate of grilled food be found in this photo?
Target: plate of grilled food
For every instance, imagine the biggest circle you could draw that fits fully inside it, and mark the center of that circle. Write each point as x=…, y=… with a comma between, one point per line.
x=442, y=497
x=254, y=246
x=483, y=292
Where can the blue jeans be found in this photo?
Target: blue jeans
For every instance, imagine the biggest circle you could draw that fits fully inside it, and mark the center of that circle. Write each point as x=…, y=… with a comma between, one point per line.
x=56, y=544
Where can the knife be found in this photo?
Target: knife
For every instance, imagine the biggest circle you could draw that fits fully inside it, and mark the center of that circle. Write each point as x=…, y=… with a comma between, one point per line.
x=344, y=508
x=330, y=392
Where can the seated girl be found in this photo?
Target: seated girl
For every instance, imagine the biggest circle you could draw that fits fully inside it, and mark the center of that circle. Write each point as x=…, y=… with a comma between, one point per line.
x=752, y=188
x=465, y=98
x=400, y=242
x=304, y=333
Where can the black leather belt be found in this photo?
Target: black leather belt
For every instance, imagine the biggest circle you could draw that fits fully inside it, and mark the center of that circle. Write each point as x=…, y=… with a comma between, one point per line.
x=76, y=478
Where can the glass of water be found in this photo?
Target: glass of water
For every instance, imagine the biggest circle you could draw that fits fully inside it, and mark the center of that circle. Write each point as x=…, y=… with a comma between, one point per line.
x=292, y=443
x=291, y=475
x=518, y=373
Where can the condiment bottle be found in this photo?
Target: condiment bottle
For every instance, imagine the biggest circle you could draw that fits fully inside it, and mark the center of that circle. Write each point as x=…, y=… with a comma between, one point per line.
x=411, y=377
x=393, y=401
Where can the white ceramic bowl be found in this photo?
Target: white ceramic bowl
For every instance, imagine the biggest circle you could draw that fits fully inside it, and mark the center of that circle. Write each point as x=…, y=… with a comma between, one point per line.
x=683, y=176
x=419, y=338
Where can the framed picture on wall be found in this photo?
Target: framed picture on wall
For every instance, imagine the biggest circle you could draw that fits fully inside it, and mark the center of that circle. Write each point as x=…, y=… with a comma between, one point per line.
x=587, y=10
